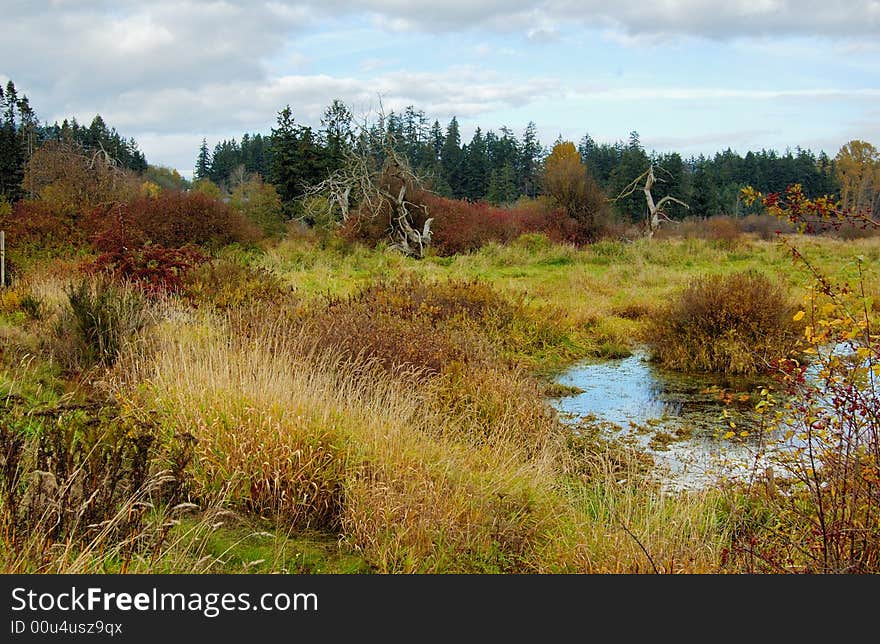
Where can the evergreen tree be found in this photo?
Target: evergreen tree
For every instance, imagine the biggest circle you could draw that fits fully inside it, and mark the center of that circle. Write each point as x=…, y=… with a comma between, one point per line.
x=672, y=180
x=225, y=158
x=451, y=159
x=12, y=157
x=284, y=172
x=531, y=153
x=633, y=162
x=436, y=140
x=704, y=201
x=336, y=132
x=502, y=185
x=474, y=172
x=203, y=162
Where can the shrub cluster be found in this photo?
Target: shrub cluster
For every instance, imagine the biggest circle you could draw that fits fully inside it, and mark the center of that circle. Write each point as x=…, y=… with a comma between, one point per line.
x=413, y=324
x=463, y=226
x=173, y=220
x=100, y=319
x=735, y=324
x=407, y=324
x=228, y=285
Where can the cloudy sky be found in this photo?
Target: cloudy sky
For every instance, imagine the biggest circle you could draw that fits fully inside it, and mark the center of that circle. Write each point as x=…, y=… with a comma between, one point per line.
x=688, y=75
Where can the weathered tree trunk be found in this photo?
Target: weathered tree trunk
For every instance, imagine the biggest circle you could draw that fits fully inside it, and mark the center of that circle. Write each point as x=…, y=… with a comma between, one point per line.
x=655, y=212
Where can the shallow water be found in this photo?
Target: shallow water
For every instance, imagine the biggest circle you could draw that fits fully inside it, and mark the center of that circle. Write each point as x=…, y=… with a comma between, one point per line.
x=656, y=406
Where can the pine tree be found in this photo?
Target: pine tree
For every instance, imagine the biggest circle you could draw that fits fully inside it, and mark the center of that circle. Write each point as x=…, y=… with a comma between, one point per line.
x=633, y=162
x=12, y=156
x=531, y=152
x=502, y=185
x=283, y=171
x=451, y=159
x=705, y=201
x=225, y=158
x=474, y=173
x=336, y=133
x=436, y=140
x=203, y=162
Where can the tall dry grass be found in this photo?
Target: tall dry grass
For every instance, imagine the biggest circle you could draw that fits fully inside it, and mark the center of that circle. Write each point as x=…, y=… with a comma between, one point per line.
x=464, y=472
x=339, y=445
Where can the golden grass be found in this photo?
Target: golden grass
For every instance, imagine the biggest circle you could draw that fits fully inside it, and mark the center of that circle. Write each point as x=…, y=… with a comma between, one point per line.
x=320, y=443
x=465, y=471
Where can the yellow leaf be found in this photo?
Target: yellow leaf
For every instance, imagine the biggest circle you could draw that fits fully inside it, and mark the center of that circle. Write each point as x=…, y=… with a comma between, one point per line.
x=729, y=435
x=798, y=316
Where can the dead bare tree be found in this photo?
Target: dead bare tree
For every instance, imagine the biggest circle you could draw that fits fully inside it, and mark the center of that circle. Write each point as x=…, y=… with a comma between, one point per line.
x=655, y=213
x=366, y=186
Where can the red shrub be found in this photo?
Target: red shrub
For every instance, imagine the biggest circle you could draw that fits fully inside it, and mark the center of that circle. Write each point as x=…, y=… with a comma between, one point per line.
x=154, y=268
x=37, y=222
x=463, y=226
x=175, y=219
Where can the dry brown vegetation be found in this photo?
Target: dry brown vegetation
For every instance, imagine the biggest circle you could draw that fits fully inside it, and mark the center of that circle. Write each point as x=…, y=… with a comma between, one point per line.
x=733, y=324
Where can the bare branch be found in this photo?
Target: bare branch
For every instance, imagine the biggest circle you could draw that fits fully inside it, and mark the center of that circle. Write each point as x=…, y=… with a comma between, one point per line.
x=373, y=187
x=655, y=213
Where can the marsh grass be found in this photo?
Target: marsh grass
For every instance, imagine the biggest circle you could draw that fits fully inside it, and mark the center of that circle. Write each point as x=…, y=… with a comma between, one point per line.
x=735, y=324
x=308, y=458
x=99, y=319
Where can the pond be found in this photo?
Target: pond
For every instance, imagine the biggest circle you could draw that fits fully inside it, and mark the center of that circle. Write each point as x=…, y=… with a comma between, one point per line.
x=680, y=419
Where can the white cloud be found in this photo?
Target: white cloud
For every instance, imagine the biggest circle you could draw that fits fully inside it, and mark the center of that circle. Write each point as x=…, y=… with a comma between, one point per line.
x=721, y=19
x=171, y=71
x=701, y=94
x=463, y=92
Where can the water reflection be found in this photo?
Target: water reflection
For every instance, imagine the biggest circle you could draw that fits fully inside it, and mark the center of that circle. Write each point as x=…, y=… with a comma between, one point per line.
x=647, y=402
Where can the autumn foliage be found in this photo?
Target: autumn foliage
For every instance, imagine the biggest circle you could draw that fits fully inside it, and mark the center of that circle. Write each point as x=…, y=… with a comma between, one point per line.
x=174, y=219
x=463, y=226
x=827, y=414
x=738, y=323
x=568, y=182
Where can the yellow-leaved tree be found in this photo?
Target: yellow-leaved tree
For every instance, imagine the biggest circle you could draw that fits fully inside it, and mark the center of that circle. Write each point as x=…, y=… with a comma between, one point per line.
x=858, y=170
x=568, y=182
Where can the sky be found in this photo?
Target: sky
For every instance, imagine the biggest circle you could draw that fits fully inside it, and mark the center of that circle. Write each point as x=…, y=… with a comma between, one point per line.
x=688, y=76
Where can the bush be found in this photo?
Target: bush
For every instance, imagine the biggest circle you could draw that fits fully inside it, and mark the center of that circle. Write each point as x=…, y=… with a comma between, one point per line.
x=407, y=324
x=820, y=514
x=37, y=222
x=721, y=229
x=174, y=220
x=153, y=268
x=735, y=324
x=463, y=226
x=100, y=319
x=764, y=226
x=724, y=230
x=260, y=204
x=229, y=285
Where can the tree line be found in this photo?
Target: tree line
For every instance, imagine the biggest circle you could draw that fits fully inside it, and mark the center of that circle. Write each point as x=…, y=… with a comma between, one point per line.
x=501, y=167
x=496, y=166
x=21, y=134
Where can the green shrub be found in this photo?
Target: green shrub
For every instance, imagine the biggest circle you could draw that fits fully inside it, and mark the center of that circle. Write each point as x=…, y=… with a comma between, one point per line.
x=228, y=285
x=734, y=324
x=100, y=319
